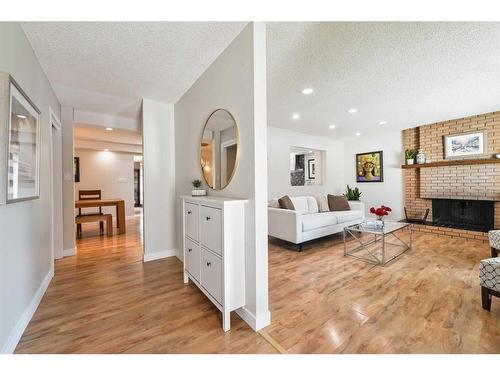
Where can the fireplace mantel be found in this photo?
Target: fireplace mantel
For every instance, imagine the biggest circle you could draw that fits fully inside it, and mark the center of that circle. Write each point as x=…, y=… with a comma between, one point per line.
x=446, y=163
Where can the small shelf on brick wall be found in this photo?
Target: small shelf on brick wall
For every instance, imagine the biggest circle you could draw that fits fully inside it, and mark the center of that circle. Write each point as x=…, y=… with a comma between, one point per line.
x=447, y=163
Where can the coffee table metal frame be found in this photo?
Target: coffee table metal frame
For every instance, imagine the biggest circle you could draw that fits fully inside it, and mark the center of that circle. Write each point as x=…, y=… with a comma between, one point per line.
x=356, y=231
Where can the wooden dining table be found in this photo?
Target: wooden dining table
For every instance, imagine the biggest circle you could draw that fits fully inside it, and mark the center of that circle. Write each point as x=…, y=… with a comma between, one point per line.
x=118, y=203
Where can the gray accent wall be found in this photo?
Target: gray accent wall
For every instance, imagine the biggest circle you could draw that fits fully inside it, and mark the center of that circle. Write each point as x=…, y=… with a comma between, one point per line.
x=25, y=227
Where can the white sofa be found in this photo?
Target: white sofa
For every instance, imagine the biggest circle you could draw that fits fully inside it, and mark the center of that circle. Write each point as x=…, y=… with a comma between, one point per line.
x=306, y=223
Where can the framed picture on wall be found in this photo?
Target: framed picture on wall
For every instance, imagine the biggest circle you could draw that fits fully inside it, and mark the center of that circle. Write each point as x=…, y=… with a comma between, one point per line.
x=464, y=145
x=76, y=168
x=23, y=157
x=311, y=169
x=370, y=167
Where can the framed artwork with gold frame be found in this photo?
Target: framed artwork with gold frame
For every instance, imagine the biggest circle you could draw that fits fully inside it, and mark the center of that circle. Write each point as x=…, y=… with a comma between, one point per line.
x=370, y=167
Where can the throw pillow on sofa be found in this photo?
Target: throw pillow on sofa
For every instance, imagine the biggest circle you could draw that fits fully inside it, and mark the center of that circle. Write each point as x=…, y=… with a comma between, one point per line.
x=286, y=203
x=322, y=202
x=273, y=203
x=338, y=203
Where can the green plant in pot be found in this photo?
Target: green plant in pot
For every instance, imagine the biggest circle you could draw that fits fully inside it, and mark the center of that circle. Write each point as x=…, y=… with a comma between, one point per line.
x=410, y=156
x=197, y=191
x=352, y=194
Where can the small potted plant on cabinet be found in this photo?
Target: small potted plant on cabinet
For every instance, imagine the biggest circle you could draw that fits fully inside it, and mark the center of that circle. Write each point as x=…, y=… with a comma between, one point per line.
x=197, y=192
x=410, y=156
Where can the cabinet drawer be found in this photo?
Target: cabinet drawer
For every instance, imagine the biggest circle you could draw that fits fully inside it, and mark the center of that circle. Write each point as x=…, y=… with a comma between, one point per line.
x=191, y=219
x=211, y=230
x=211, y=274
x=192, y=258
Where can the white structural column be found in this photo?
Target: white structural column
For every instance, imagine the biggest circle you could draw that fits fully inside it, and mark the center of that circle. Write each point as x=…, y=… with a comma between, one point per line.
x=159, y=179
x=260, y=258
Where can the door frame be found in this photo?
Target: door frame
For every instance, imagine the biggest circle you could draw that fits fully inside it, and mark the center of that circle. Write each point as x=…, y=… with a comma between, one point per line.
x=55, y=123
x=223, y=158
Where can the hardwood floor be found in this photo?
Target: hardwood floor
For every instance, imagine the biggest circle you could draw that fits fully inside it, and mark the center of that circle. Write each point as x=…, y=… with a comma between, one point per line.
x=105, y=300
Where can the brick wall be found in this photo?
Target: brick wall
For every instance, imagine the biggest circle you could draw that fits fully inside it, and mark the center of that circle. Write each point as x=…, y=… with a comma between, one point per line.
x=479, y=181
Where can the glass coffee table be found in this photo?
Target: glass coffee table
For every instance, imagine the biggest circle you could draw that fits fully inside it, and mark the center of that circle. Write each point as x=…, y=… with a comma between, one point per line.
x=377, y=244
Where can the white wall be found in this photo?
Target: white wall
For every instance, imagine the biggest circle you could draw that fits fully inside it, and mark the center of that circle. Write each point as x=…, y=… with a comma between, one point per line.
x=390, y=191
x=112, y=172
x=236, y=81
x=278, y=163
x=25, y=227
x=159, y=179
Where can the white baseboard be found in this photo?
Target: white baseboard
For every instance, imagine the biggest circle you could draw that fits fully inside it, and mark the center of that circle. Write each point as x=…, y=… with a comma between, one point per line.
x=22, y=323
x=180, y=256
x=69, y=252
x=257, y=323
x=148, y=257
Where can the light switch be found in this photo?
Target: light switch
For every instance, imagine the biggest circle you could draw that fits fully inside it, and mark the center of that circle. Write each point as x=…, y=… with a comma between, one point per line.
x=122, y=179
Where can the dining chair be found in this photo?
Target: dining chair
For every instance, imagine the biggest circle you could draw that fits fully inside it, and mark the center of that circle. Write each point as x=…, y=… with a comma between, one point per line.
x=89, y=195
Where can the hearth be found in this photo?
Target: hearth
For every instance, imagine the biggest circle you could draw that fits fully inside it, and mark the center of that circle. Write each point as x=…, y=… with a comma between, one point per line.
x=474, y=215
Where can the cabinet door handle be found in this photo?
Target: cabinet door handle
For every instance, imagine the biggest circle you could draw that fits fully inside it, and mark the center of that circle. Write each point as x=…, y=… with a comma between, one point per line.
x=209, y=264
x=208, y=218
x=189, y=250
x=189, y=212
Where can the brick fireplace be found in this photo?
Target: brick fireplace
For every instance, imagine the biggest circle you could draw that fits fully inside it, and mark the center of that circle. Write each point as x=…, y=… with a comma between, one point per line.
x=464, y=182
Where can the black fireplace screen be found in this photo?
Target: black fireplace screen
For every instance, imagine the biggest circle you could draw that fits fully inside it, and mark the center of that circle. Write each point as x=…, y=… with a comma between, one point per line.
x=463, y=214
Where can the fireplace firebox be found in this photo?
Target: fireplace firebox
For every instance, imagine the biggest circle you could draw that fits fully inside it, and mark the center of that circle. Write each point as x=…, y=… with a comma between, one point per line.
x=474, y=215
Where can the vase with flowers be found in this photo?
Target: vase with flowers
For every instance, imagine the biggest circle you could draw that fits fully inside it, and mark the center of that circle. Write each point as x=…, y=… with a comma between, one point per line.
x=380, y=212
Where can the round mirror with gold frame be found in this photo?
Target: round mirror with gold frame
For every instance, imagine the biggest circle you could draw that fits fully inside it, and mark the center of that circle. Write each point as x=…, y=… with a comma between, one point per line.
x=219, y=149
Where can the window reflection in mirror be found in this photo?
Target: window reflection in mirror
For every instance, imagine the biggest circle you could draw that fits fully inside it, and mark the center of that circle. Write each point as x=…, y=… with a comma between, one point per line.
x=219, y=149
x=306, y=166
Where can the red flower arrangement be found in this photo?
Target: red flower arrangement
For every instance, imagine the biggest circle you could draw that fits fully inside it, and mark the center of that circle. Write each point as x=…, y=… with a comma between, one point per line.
x=380, y=211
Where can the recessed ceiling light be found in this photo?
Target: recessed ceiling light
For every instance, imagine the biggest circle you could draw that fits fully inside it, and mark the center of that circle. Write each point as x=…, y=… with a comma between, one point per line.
x=353, y=110
x=21, y=116
x=332, y=126
x=109, y=129
x=106, y=149
x=295, y=116
x=307, y=91
x=358, y=134
x=382, y=122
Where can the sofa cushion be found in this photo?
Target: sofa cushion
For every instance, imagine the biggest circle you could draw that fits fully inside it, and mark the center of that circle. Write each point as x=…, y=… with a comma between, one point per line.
x=322, y=202
x=319, y=220
x=300, y=204
x=273, y=203
x=286, y=203
x=312, y=205
x=345, y=216
x=338, y=203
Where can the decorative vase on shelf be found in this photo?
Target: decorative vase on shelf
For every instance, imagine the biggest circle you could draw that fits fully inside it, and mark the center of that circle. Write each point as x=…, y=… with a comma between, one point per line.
x=420, y=157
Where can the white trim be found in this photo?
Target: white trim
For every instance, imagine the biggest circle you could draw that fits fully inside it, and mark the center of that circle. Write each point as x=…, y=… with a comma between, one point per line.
x=257, y=323
x=22, y=323
x=148, y=257
x=54, y=120
x=56, y=124
x=69, y=252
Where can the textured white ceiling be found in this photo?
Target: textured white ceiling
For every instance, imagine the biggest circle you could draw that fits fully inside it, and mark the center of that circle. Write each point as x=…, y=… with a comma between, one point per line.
x=109, y=66
x=404, y=73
